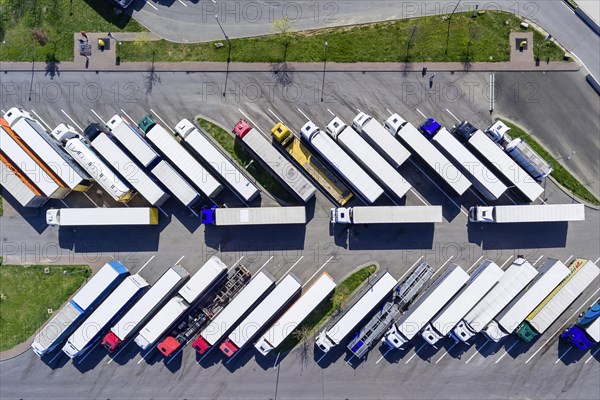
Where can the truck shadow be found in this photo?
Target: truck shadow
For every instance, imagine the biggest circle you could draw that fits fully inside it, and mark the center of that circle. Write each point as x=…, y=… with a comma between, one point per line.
x=385, y=236
x=96, y=239
x=518, y=236
x=174, y=208
x=211, y=359
x=517, y=349
x=569, y=354
x=35, y=217
x=90, y=359
x=126, y=355
x=255, y=238
x=324, y=360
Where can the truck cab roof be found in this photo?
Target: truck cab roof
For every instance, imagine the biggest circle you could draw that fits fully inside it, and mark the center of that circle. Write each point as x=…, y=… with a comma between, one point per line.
x=184, y=127
x=394, y=123
x=241, y=128
x=430, y=127
x=465, y=129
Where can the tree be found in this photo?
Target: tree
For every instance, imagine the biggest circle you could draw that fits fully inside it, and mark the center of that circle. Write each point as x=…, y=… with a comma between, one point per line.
x=303, y=334
x=285, y=29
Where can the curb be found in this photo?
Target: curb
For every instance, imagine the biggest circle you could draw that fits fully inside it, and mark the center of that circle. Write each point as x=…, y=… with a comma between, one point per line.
x=8, y=354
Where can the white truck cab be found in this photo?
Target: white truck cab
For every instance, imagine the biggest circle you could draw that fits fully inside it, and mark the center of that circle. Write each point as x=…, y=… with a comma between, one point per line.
x=341, y=215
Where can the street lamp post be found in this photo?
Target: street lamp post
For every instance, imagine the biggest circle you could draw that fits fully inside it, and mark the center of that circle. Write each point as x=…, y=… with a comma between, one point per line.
x=324, y=69
x=450, y=19
x=228, y=52
x=567, y=157
x=4, y=43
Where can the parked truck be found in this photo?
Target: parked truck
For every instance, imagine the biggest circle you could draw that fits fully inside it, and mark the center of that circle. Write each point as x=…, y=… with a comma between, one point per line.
x=45, y=148
x=583, y=273
x=79, y=307
x=126, y=167
x=202, y=147
x=512, y=282
x=132, y=140
x=550, y=274
x=527, y=213
x=224, y=321
x=274, y=161
x=498, y=161
x=482, y=280
x=373, y=330
x=172, y=149
x=19, y=185
x=428, y=153
x=197, y=318
x=93, y=327
x=386, y=215
x=220, y=216
x=480, y=176
x=370, y=298
x=380, y=139
x=297, y=313
x=29, y=165
x=425, y=308
x=367, y=157
x=341, y=162
x=106, y=177
x=102, y=216
x=586, y=332
x=177, y=185
x=201, y=283
x=139, y=314
x=313, y=166
x=261, y=315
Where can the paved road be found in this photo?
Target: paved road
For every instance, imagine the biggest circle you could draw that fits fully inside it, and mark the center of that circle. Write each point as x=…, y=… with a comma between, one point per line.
x=196, y=23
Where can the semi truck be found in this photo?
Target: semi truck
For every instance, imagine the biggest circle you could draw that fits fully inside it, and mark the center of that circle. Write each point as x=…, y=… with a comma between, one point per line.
x=481, y=281
x=200, y=315
x=313, y=166
x=272, y=305
x=373, y=330
x=425, y=308
x=139, y=314
x=201, y=283
x=102, y=216
x=498, y=161
x=126, y=167
x=176, y=184
x=202, y=147
x=132, y=140
x=416, y=142
x=583, y=273
x=172, y=149
x=341, y=162
x=45, y=148
x=106, y=177
x=294, y=315
x=19, y=185
x=367, y=157
x=224, y=321
x=386, y=215
x=512, y=282
x=79, y=307
x=480, y=176
x=29, y=165
x=274, y=161
x=371, y=297
x=380, y=139
x=93, y=327
x=586, y=332
x=550, y=274
x=527, y=213
x=221, y=216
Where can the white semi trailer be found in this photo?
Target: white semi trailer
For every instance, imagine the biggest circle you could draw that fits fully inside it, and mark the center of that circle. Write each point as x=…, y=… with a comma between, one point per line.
x=254, y=216
x=132, y=140
x=380, y=139
x=386, y=215
x=341, y=162
x=19, y=185
x=102, y=216
x=368, y=158
x=176, y=184
x=527, y=213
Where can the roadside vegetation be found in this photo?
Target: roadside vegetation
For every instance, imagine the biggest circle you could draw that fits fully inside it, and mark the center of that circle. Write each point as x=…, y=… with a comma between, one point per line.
x=45, y=28
x=243, y=158
x=559, y=173
x=26, y=294
x=483, y=38
x=334, y=303
x=1, y=203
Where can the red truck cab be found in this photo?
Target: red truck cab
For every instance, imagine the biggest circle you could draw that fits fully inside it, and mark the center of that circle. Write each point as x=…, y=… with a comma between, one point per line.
x=241, y=128
x=168, y=346
x=201, y=345
x=111, y=342
x=228, y=348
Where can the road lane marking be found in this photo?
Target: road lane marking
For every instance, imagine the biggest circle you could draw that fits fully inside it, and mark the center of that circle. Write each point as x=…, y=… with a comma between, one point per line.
x=447, y=351
x=507, y=351
x=509, y=258
x=413, y=356
x=286, y=272
x=475, y=263
x=178, y=261
x=538, y=260
x=320, y=268
x=162, y=120
x=117, y=354
x=147, y=262
x=592, y=356
x=71, y=119
x=40, y=118
x=563, y=354
x=97, y=116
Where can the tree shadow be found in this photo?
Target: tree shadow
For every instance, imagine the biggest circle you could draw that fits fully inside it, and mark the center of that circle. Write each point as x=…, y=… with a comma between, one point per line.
x=109, y=11
x=52, y=64
x=151, y=78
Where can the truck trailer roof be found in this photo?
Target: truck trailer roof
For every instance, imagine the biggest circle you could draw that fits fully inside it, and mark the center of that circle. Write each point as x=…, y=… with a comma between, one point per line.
x=19, y=186
x=381, y=139
x=161, y=322
x=181, y=189
x=102, y=216
x=132, y=140
x=540, y=213
x=396, y=214
x=260, y=216
x=202, y=280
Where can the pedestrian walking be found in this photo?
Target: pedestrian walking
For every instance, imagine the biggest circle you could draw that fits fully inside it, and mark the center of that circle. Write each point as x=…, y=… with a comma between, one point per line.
x=431, y=80
x=84, y=35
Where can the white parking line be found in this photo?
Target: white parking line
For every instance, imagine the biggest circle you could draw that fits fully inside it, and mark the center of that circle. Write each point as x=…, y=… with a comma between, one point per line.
x=419, y=111
x=40, y=118
x=384, y=354
x=419, y=197
x=266, y=262
x=509, y=258
x=55, y=357
x=150, y=4
x=276, y=359
x=162, y=120
x=193, y=212
x=128, y=117
x=287, y=272
x=253, y=123
x=596, y=262
x=277, y=119
x=65, y=204
x=408, y=270
x=592, y=356
x=302, y=112
x=145, y=355
x=568, y=259
x=538, y=260
x=453, y=116
x=330, y=112
x=477, y=195
x=178, y=261
x=442, y=267
x=162, y=211
x=475, y=263
x=71, y=119
x=87, y=354
x=477, y=351
x=563, y=354
x=97, y=116
x=507, y=351
x=182, y=3
x=320, y=268
x=563, y=325
x=322, y=357
x=147, y=262
x=235, y=263
x=90, y=199
x=413, y=356
x=448, y=351
x=117, y=354
x=175, y=355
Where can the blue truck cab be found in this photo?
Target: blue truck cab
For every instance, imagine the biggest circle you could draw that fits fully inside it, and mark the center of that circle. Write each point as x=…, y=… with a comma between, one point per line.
x=576, y=335
x=208, y=215
x=429, y=128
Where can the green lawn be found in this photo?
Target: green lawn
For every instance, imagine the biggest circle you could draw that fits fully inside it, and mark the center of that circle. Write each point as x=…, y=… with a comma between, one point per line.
x=484, y=38
x=237, y=151
x=319, y=315
x=26, y=294
x=559, y=173
x=20, y=19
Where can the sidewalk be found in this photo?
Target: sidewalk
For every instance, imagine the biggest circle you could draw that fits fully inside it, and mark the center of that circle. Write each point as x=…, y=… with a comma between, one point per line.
x=106, y=61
